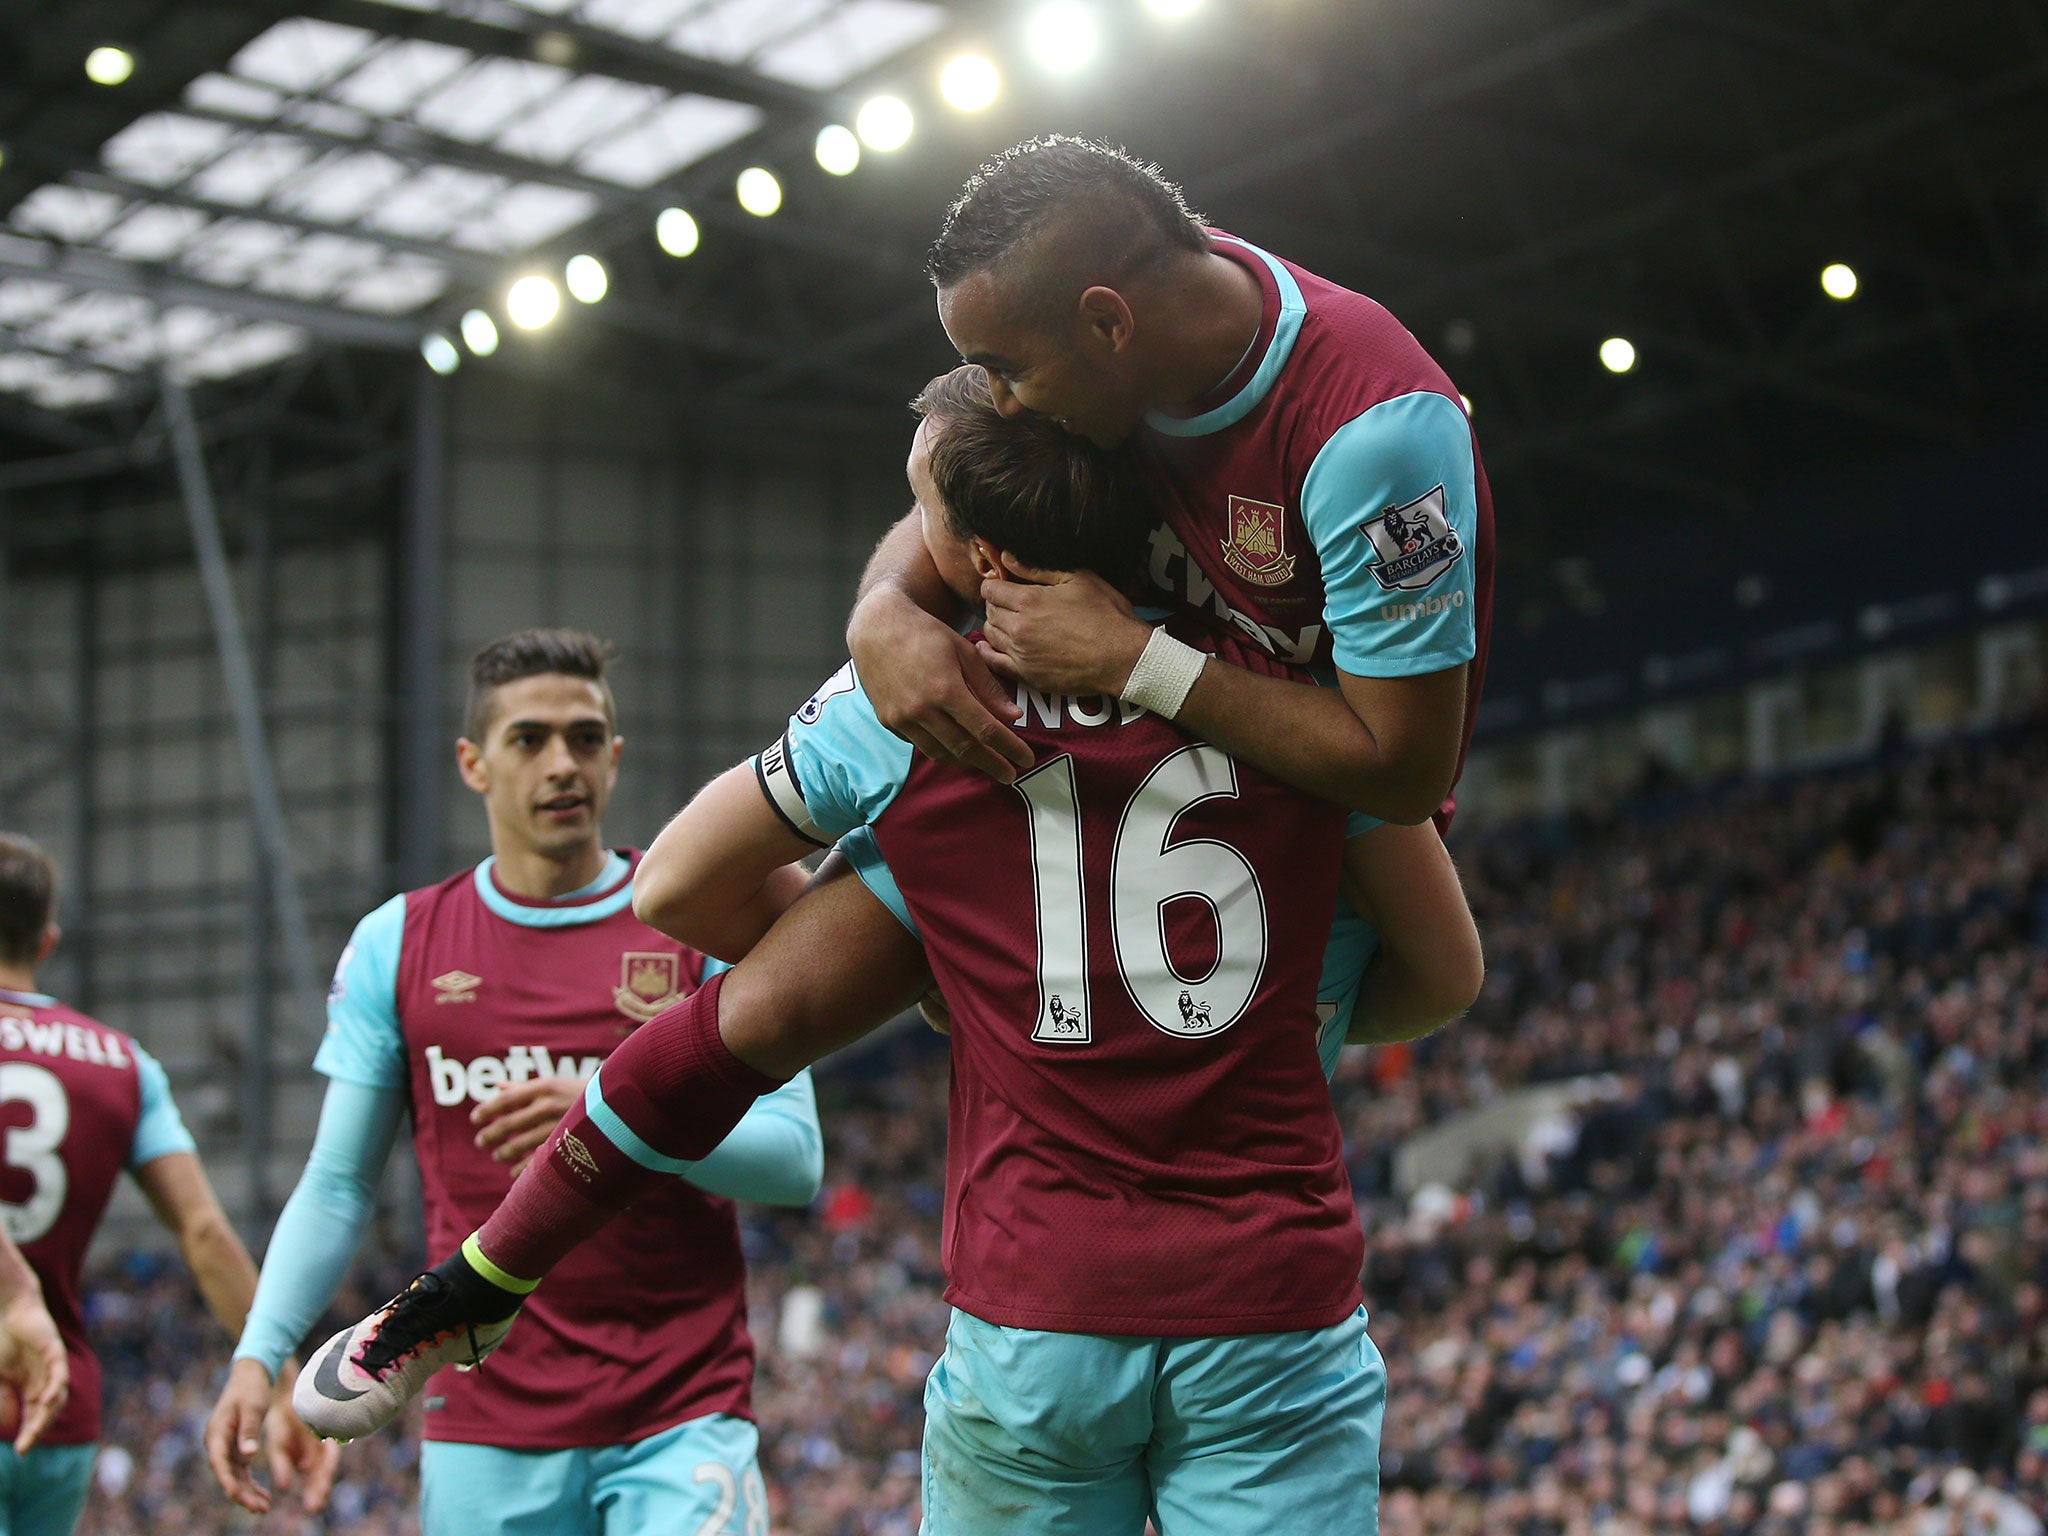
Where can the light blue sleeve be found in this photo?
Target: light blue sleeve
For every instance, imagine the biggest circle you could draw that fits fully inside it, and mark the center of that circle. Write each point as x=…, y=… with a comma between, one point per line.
x=837, y=767
x=860, y=849
x=774, y=1156
x=323, y=1222
x=364, y=1042
x=160, y=1129
x=1353, y=942
x=1392, y=507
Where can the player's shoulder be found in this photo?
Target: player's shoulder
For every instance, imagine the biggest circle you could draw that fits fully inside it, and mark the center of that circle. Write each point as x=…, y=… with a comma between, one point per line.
x=1351, y=354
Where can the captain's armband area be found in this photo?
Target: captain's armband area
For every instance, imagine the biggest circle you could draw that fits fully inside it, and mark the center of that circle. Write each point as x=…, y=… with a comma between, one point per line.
x=775, y=770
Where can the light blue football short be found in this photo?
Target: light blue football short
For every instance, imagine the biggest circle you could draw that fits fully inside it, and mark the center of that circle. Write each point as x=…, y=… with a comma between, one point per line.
x=42, y=1493
x=1073, y=1434
x=701, y=1476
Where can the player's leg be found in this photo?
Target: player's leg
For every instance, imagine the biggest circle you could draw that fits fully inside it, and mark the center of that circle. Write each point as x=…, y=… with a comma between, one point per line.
x=487, y=1490
x=1270, y=1432
x=834, y=967
x=702, y=1475
x=44, y=1490
x=837, y=965
x=1036, y=1434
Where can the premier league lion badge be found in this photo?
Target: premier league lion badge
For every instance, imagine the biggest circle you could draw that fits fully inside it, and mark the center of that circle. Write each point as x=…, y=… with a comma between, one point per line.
x=648, y=983
x=1415, y=543
x=1257, y=546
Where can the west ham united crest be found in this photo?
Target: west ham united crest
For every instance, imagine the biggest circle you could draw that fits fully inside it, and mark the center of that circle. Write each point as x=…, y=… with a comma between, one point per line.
x=1415, y=543
x=648, y=982
x=1257, y=547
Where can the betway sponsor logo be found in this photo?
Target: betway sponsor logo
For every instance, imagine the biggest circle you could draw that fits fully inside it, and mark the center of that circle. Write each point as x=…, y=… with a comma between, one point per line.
x=77, y=1041
x=477, y=1080
x=1173, y=571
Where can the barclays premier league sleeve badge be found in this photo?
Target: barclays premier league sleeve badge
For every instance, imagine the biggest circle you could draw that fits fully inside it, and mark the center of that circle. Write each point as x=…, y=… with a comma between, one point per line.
x=1415, y=543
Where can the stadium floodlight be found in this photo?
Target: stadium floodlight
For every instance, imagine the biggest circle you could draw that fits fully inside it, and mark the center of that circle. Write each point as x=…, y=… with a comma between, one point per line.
x=1173, y=10
x=1617, y=354
x=108, y=65
x=970, y=82
x=532, y=302
x=838, y=149
x=440, y=353
x=759, y=192
x=480, y=333
x=1063, y=36
x=885, y=123
x=587, y=279
x=1838, y=280
x=675, y=232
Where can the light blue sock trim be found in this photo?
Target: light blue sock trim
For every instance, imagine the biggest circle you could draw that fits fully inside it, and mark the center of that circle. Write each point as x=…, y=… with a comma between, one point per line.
x=1293, y=309
x=620, y=1134
x=554, y=916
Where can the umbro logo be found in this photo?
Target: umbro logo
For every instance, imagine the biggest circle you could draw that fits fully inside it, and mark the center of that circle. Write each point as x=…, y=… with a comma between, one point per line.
x=456, y=987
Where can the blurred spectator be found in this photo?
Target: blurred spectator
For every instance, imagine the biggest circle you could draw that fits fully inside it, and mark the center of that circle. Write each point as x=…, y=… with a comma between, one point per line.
x=1790, y=1276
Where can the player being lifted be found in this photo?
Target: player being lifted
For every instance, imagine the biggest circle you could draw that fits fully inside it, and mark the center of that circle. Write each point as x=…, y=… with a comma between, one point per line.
x=81, y=1103
x=478, y=1006
x=1285, y=426
x=1150, y=1240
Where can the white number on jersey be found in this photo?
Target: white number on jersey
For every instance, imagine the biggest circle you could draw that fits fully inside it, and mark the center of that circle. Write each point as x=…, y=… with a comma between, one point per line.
x=1148, y=873
x=33, y=1147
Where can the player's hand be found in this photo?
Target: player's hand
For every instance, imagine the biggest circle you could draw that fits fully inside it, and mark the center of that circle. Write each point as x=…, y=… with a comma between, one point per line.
x=1062, y=631
x=234, y=1434
x=33, y=1363
x=933, y=1007
x=297, y=1454
x=519, y=1116
x=930, y=687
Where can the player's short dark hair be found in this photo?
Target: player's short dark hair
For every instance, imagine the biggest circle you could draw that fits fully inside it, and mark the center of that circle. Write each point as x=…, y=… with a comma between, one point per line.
x=1046, y=496
x=534, y=653
x=1013, y=198
x=28, y=897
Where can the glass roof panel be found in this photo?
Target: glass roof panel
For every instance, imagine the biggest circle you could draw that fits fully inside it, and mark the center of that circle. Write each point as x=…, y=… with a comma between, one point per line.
x=586, y=109
x=391, y=82
x=303, y=78
x=681, y=133
x=479, y=102
x=301, y=54
x=854, y=37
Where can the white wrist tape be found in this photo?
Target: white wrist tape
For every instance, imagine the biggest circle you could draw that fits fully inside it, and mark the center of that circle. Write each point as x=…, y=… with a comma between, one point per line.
x=1164, y=676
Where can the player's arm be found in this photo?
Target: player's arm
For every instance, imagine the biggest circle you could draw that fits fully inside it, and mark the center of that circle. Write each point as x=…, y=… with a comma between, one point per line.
x=1429, y=967
x=362, y=1056
x=774, y=1156
x=723, y=869
x=32, y=1357
x=928, y=684
x=1402, y=629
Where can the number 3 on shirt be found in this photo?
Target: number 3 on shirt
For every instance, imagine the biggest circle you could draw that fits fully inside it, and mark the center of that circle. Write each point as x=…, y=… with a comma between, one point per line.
x=1146, y=875
x=33, y=1147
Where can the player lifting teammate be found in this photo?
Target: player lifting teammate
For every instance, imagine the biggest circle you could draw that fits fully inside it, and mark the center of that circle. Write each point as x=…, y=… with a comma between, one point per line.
x=479, y=1005
x=1137, y=1210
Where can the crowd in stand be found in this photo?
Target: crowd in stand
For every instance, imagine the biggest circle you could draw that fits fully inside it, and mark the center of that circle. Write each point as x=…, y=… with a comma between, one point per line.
x=1787, y=1273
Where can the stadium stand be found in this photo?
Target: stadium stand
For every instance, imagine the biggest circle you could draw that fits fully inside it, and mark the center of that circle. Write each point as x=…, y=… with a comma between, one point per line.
x=1791, y=1277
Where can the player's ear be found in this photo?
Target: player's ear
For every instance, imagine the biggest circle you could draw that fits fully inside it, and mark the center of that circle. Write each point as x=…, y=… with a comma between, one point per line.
x=47, y=944
x=988, y=562
x=469, y=762
x=1107, y=316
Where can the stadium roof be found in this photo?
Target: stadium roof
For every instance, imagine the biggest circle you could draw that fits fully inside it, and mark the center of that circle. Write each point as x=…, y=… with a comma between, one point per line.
x=1518, y=183
x=368, y=156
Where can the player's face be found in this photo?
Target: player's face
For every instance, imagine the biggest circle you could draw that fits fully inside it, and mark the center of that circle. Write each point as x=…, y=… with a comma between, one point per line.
x=1078, y=369
x=547, y=765
x=954, y=556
